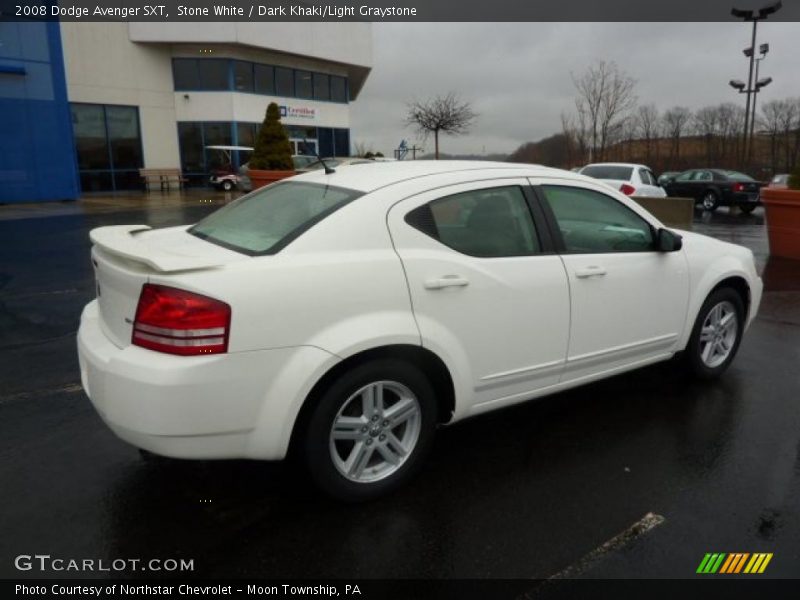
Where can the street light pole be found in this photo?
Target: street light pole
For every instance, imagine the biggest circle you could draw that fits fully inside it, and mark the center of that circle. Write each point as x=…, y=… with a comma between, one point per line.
x=754, y=16
x=755, y=97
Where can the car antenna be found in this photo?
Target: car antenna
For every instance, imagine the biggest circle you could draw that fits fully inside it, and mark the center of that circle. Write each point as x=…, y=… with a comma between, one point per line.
x=328, y=170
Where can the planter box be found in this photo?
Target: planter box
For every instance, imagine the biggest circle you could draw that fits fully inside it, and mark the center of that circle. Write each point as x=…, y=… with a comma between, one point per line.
x=261, y=178
x=782, y=209
x=673, y=212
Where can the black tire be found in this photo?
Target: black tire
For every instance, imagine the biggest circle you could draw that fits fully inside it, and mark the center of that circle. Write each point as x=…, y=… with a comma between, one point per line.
x=747, y=208
x=709, y=201
x=318, y=448
x=227, y=186
x=693, y=354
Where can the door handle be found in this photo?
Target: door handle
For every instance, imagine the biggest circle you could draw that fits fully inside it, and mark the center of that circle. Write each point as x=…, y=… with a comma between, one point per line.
x=438, y=283
x=592, y=271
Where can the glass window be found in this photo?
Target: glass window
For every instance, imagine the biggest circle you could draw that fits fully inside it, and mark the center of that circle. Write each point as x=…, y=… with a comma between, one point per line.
x=267, y=220
x=217, y=134
x=486, y=223
x=213, y=73
x=91, y=141
x=246, y=133
x=185, y=75
x=338, y=89
x=737, y=176
x=647, y=177
x=322, y=86
x=190, y=139
x=123, y=134
x=264, y=79
x=302, y=84
x=341, y=142
x=284, y=82
x=592, y=222
x=242, y=76
x=685, y=176
x=608, y=172
x=702, y=176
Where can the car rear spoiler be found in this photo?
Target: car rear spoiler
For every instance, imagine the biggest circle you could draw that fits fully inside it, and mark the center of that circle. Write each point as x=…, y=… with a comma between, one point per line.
x=121, y=241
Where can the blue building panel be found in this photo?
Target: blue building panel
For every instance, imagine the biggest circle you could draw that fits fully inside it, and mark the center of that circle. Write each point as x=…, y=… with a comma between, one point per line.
x=37, y=152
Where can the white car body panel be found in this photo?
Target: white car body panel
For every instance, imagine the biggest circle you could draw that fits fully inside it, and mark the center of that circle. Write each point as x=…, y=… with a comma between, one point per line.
x=523, y=326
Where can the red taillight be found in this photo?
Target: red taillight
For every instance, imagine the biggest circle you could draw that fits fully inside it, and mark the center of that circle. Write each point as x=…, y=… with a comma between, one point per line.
x=626, y=189
x=738, y=187
x=180, y=322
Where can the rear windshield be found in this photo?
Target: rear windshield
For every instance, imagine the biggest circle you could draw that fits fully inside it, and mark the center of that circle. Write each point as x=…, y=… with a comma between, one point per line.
x=268, y=219
x=608, y=172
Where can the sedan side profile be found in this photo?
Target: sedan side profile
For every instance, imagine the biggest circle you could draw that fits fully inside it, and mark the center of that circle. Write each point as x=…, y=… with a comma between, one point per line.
x=343, y=316
x=712, y=188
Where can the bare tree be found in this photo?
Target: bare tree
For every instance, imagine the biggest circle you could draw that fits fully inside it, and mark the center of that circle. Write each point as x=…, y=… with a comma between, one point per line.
x=442, y=114
x=676, y=122
x=646, y=127
x=605, y=96
x=706, y=123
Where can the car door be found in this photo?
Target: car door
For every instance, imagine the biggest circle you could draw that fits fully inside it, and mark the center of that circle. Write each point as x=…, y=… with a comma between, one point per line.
x=628, y=301
x=680, y=185
x=649, y=186
x=488, y=293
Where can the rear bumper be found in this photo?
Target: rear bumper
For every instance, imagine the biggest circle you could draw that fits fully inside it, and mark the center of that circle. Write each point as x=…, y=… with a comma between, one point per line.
x=236, y=405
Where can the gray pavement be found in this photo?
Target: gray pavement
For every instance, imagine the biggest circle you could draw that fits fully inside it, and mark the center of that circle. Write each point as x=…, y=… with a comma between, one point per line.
x=557, y=486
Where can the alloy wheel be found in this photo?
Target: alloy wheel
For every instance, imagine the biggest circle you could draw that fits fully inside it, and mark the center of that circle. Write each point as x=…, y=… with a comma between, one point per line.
x=375, y=431
x=718, y=334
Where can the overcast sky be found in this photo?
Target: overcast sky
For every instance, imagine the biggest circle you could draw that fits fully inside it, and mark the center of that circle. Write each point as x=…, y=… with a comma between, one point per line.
x=517, y=75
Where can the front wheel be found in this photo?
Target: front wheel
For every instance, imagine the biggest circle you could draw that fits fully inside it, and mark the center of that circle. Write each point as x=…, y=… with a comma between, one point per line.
x=370, y=430
x=716, y=335
x=227, y=185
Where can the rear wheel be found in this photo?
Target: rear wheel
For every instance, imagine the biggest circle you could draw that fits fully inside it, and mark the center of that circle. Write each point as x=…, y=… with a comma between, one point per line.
x=370, y=430
x=227, y=185
x=716, y=335
x=710, y=201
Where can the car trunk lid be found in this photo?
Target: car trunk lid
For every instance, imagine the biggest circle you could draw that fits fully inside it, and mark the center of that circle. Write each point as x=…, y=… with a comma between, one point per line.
x=124, y=258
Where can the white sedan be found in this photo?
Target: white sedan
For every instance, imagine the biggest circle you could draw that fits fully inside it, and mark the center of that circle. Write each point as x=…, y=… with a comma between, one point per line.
x=630, y=179
x=344, y=316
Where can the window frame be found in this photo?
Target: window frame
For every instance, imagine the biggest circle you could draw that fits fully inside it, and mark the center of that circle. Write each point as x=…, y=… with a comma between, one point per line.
x=555, y=231
x=541, y=228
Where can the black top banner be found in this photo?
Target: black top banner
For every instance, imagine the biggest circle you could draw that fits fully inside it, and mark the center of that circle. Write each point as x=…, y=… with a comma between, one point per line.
x=401, y=10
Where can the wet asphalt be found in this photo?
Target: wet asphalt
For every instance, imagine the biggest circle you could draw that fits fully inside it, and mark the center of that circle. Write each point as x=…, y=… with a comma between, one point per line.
x=526, y=492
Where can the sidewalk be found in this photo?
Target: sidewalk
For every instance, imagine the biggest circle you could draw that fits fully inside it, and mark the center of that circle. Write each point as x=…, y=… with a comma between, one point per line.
x=119, y=202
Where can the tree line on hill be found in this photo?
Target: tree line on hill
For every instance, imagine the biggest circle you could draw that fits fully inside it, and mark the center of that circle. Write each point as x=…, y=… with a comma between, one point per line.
x=608, y=124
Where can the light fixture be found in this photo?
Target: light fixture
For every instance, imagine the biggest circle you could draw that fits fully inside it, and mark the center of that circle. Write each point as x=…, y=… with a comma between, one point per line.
x=763, y=48
x=763, y=82
x=736, y=84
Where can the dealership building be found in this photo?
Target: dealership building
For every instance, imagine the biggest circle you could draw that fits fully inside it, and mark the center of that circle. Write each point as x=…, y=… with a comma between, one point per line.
x=84, y=106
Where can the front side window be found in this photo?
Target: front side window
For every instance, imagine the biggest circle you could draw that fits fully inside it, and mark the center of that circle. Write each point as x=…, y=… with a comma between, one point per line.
x=486, y=223
x=685, y=176
x=267, y=220
x=592, y=222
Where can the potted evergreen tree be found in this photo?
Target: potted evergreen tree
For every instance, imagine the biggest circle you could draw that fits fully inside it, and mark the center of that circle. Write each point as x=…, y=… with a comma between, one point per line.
x=272, y=154
x=782, y=209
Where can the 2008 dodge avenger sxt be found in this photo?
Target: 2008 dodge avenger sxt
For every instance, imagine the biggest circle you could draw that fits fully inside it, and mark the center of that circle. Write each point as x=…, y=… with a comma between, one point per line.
x=347, y=314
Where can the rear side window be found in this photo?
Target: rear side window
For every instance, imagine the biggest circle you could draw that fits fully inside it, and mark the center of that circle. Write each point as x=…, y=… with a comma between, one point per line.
x=267, y=220
x=591, y=222
x=486, y=223
x=608, y=172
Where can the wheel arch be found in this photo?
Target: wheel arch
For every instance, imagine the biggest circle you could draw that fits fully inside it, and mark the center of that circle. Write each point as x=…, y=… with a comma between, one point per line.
x=735, y=281
x=427, y=361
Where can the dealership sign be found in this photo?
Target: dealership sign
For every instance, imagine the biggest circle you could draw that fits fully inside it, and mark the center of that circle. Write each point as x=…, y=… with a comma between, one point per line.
x=298, y=112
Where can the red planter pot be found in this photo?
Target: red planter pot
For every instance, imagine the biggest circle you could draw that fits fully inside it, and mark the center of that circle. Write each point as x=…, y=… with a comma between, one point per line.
x=261, y=178
x=782, y=208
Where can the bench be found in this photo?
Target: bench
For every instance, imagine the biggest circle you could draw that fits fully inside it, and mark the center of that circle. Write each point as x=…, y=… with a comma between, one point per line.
x=163, y=178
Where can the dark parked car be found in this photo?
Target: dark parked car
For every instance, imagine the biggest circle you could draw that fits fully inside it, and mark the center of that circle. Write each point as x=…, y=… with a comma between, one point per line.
x=666, y=176
x=716, y=187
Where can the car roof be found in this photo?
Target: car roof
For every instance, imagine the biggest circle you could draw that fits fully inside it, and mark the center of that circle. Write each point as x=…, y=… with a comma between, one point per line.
x=375, y=175
x=618, y=164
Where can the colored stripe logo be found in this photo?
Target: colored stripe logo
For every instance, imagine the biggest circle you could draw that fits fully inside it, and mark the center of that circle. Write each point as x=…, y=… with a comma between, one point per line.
x=733, y=563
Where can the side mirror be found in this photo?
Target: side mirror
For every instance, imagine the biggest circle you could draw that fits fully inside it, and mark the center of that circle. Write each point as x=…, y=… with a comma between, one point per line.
x=668, y=241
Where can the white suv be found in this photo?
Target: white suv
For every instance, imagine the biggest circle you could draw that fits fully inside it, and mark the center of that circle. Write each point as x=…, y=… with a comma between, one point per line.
x=345, y=315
